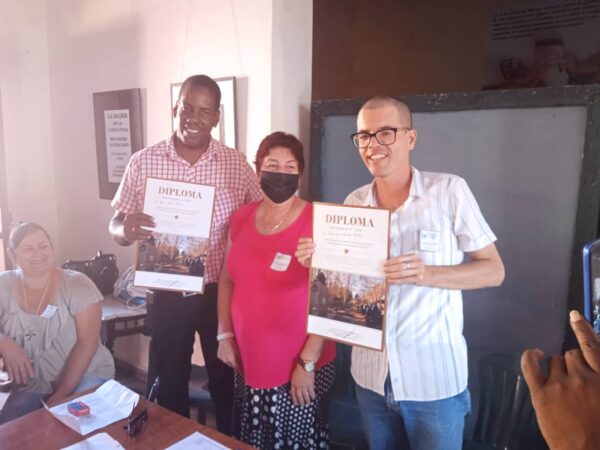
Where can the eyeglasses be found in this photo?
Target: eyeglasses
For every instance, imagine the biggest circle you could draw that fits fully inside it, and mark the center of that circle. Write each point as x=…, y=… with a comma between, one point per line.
x=385, y=136
x=135, y=424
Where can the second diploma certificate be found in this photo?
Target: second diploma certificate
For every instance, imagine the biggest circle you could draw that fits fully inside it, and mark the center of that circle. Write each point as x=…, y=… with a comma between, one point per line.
x=347, y=294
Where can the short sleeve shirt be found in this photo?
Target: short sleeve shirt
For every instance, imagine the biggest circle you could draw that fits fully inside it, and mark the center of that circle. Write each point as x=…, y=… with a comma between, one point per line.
x=425, y=351
x=220, y=166
x=49, y=341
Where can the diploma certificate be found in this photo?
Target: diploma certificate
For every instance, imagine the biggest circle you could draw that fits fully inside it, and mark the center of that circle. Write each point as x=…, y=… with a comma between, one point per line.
x=347, y=292
x=175, y=256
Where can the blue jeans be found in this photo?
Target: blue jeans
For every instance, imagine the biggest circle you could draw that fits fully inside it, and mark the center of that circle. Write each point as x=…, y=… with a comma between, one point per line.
x=427, y=425
x=20, y=403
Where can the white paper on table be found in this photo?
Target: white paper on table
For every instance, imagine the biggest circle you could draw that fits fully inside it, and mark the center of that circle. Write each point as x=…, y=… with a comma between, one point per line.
x=197, y=441
x=100, y=441
x=3, y=399
x=110, y=402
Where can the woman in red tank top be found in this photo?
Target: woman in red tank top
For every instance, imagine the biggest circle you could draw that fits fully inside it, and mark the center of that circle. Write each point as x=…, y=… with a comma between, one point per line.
x=283, y=376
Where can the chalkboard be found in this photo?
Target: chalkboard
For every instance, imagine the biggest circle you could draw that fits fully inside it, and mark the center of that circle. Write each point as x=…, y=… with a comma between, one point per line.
x=532, y=159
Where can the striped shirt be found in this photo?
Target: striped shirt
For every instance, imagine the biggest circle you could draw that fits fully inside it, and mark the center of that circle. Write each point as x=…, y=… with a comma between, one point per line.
x=219, y=166
x=425, y=350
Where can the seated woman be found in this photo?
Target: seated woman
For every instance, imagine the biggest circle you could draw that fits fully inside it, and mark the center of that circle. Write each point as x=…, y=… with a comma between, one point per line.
x=49, y=326
x=283, y=376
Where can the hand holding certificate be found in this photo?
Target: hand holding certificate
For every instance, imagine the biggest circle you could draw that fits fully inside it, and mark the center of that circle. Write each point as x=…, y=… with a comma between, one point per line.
x=174, y=257
x=347, y=284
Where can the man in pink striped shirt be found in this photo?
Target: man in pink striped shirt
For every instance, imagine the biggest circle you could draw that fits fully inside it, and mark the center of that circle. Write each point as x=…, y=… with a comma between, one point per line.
x=190, y=155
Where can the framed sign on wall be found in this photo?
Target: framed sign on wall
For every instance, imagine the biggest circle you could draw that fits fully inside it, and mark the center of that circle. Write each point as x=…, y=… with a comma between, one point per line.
x=225, y=132
x=118, y=125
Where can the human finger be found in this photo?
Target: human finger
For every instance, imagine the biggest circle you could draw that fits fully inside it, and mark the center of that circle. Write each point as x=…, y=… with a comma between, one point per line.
x=29, y=368
x=12, y=373
x=305, y=243
x=574, y=361
x=404, y=263
x=403, y=273
x=392, y=263
x=305, y=246
x=146, y=220
x=556, y=367
x=303, y=255
x=588, y=341
x=306, y=397
x=311, y=392
x=294, y=393
x=140, y=219
x=141, y=234
x=302, y=395
x=23, y=378
x=532, y=371
x=133, y=226
x=406, y=269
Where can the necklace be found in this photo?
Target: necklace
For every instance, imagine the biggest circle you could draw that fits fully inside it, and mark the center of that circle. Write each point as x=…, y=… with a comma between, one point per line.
x=37, y=310
x=276, y=227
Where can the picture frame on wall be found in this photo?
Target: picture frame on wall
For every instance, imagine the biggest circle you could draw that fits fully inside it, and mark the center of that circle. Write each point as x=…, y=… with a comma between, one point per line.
x=225, y=132
x=118, y=126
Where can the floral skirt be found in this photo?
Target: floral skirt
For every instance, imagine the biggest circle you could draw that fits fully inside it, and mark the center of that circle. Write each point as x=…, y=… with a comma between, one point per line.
x=268, y=419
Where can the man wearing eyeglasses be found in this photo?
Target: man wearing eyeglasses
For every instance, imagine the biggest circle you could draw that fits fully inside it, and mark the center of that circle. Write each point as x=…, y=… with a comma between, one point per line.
x=190, y=155
x=414, y=394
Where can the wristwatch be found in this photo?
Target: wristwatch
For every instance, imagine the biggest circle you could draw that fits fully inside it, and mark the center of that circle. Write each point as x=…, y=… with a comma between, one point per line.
x=307, y=365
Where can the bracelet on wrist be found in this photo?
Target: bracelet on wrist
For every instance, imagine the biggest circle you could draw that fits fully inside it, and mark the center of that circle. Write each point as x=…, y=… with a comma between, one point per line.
x=225, y=335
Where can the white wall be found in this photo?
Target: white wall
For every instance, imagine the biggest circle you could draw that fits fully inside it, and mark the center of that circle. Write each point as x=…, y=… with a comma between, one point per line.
x=292, y=71
x=103, y=46
x=24, y=84
x=54, y=54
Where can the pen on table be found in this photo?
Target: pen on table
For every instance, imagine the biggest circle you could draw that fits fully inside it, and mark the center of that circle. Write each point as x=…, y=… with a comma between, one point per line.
x=153, y=390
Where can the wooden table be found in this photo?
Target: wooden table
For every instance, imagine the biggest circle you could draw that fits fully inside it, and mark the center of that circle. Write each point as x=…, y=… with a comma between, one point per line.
x=40, y=430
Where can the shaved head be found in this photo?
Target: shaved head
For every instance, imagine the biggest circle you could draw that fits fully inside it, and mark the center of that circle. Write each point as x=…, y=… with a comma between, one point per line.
x=404, y=113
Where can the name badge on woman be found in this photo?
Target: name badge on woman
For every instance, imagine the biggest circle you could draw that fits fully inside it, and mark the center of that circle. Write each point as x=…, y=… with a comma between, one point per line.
x=49, y=311
x=281, y=262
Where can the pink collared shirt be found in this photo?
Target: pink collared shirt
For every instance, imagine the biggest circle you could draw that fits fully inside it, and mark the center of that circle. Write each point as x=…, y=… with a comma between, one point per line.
x=220, y=166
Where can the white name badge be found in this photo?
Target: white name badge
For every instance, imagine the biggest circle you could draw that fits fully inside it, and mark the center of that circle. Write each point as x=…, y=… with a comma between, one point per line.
x=49, y=311
x=429, y=241
x=281, y=262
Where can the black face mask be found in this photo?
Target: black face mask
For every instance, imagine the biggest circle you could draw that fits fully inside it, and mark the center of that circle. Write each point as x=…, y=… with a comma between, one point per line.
x=279, y=186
